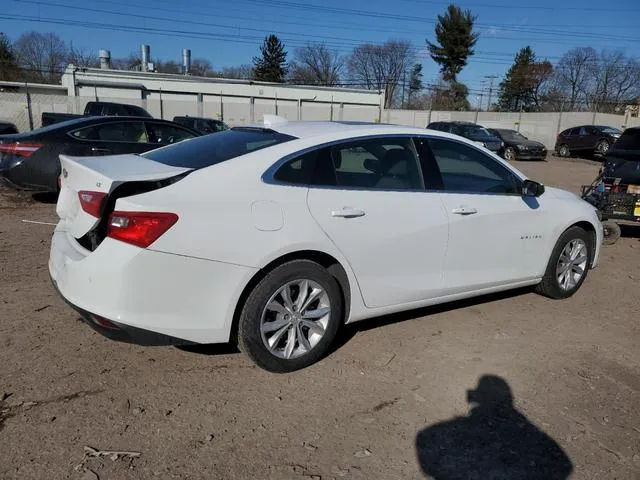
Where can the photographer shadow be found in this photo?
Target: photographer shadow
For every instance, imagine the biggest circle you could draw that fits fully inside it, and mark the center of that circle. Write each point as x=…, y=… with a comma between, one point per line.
x=494, y=441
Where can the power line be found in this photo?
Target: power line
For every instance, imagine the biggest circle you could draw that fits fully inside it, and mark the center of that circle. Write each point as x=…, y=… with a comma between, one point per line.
x=356, y=12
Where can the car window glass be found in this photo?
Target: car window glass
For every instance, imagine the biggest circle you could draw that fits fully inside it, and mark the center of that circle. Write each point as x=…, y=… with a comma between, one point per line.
x=88, y=133
x=207, y=150
x=466, y=169
x=384, y=164
x=166, y=134
x=299, y=170
x=122, y=132
x=573, y=131
x=583, y=131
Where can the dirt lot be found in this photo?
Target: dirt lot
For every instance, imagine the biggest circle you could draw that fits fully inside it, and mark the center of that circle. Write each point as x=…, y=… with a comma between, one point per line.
x=373, y=409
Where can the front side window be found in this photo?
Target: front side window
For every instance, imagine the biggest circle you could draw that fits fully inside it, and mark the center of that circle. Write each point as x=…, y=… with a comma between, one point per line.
x=167, y=134
x=131, y=132
x=387, y=163
x=466, y=169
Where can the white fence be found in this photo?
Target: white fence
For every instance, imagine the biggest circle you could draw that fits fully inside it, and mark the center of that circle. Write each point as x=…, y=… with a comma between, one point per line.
x=543, y=127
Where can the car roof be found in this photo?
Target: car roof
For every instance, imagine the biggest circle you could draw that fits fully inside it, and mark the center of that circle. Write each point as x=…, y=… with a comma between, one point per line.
x=311, y=128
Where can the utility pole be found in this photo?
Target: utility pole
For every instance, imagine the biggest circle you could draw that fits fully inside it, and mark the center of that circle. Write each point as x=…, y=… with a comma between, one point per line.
x=490, y=77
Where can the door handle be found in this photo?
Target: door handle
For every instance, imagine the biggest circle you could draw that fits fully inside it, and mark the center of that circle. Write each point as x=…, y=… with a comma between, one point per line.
x=464, y=211
x=100, y=150
x=347, y=212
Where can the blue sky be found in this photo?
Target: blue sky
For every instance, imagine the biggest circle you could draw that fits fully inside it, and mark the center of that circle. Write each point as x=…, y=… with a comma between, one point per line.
x=229, y=32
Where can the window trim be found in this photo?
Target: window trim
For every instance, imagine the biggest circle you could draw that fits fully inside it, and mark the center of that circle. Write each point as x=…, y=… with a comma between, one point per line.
x=268, y=176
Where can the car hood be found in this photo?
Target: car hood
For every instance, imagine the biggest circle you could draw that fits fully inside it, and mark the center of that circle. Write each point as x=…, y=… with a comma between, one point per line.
x=528, y=143
x=561, y=193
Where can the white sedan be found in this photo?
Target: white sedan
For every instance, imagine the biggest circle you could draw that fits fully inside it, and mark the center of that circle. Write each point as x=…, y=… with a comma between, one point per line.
x=277, y=234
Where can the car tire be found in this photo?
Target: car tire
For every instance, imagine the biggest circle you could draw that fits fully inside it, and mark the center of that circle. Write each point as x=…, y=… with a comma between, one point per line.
x=562, y=276
x=280, y=334
x=564, y=151
x=612, y=232
x=510, y=154
x=602, y=147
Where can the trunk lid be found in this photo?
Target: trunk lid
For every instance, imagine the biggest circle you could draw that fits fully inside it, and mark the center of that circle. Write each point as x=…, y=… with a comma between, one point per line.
x=107, y=175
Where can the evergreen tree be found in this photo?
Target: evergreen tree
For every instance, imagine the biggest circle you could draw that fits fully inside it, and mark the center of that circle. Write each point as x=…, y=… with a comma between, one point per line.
x=456, y=39
x=520, y=89
x=9, y=69
x=271, y=66
x=415, y=82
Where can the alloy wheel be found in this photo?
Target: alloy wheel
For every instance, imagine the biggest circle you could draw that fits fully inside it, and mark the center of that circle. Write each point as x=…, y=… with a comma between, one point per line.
x=572, y=264
x=295, y=318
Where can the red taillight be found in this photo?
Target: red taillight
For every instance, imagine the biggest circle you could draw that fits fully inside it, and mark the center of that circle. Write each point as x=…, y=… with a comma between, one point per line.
x=91, y=202
x=20, y=149
x=139, y=228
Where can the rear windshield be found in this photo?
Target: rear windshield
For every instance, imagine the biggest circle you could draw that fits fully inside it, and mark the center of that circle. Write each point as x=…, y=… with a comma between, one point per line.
x=474, y=130
x=610, y=130
x=201, y=152
x=629, y=140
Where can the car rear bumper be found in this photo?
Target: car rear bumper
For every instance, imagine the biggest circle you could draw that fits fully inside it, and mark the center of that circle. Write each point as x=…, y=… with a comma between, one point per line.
x=147, y=297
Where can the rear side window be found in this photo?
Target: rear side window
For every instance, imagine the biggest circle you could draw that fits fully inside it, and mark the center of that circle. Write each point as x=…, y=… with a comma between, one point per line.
x=629, y=140
x=381, y=164
x=201, y=152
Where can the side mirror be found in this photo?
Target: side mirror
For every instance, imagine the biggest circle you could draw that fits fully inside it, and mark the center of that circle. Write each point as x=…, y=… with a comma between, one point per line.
x=532, y=189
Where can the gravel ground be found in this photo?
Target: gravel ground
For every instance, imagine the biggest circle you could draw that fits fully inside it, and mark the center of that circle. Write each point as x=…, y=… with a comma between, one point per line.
x=391, y=402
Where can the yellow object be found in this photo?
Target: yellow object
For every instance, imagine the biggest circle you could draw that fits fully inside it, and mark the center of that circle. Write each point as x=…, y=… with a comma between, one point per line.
x=636, y=211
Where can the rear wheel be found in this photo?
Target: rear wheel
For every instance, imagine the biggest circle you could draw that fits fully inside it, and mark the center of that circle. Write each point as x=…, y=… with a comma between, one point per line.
x=568, y=265
x=612, y=232
x=564, y=151
x=291, y=317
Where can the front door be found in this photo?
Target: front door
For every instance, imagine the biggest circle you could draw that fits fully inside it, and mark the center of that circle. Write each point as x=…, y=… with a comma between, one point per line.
x=494, y=232
x=368, y=197
x=115, y=138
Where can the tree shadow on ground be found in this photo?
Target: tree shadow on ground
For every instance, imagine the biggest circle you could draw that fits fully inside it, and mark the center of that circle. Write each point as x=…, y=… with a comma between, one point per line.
x=494, y=441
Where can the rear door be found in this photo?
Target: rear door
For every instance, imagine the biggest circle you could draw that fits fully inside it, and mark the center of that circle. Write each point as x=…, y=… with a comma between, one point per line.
x=368, y=197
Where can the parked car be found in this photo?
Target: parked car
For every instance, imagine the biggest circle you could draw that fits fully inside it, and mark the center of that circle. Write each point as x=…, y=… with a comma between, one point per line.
x=277, y=234
x=202, y=125
x=99, y=109
x=622, y=161
x=472, y=131
x=589, y=139
x=7, y=128
x=30, y=161
x=519, y=147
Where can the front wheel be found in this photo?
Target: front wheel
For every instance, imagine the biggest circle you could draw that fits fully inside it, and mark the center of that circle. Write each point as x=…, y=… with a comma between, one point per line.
x=602, y=147
x=291, y=317
x=612, y=232
x=510, y=154
x=568, y=265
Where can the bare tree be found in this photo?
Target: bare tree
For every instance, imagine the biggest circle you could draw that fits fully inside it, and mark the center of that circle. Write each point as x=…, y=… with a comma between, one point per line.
x=381, y=67
x=616, y=81
x=243, y=72
x=43, y=54
x=131, y=62
x=316, y=64
x=169, y=66
x=81, y=57
x=201, y=67
x=573, y=75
